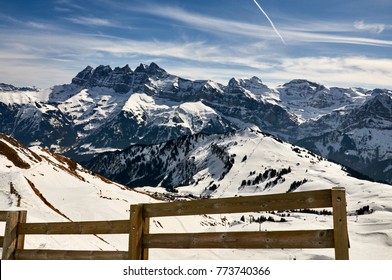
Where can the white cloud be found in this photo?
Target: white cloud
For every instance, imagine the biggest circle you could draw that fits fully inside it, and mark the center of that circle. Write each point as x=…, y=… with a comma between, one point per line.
x=91, y=21
x=39, y=25
x=320, y=32
x=45, y=59
x=350, y=71
x=29, y=73
x=67, y=5
x=211, y=24
x=371, y=27
x=310, y=37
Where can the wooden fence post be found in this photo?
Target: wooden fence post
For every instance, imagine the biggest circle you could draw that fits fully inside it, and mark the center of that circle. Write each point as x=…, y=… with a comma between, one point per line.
x=340, y=223
x=136, y=233
x=146, y=230
x=12, y=240
x=21, y=237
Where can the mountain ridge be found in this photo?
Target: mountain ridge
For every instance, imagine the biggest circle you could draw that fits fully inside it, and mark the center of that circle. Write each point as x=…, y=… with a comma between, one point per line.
x=105, y=109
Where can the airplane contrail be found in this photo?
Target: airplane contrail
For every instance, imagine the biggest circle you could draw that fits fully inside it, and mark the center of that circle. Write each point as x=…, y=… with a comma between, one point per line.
x=272, y=24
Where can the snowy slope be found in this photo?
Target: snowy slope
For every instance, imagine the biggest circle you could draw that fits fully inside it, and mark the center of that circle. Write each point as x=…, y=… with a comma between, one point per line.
x=12, y=95
x=72, y=193
x=370, y=235
x=251, y=163
x=54, y=188
x=310, y=101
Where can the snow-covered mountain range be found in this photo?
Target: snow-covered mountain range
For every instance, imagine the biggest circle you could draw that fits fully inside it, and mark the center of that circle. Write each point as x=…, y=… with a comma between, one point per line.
x=105, y=109
x=55, y=188
x=171, y=138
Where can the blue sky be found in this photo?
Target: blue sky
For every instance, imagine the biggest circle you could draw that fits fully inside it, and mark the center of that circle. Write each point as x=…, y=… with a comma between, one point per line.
x=335, y=43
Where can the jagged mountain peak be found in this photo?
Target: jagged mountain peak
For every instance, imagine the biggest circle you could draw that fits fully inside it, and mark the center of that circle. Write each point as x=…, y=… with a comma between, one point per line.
x=300, y=82
x=245, y=81
x=255, y=80
x=384, y=96
x=151, y=69
x=234, y=86
x=121, y=79
x=302, y=87
x=141, y=68
x=380, y=105
x=233, y=82
x=252, y=87
x=378, y=91
x=154, y=68
x=83, y=76
x=103, y=69
x=125, y=69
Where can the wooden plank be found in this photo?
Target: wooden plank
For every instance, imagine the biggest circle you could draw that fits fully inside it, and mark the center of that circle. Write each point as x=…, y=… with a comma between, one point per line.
x=10, y=235
x=136, y=233
x=272, y=202
x=21, y=237
x=3, y=216
x=340, y=224
x=146, y=230
x=1, y=241
x=94, y=227
x=242, y=240
x=70, y=255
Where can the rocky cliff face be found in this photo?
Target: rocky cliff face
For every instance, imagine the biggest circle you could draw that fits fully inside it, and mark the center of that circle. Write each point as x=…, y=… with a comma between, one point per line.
x=360, y=139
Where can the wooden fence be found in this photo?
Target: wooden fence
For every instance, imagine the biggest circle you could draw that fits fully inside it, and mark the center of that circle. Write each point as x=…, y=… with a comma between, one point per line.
x=141, y=240
x=78, y=228
x=11, y=241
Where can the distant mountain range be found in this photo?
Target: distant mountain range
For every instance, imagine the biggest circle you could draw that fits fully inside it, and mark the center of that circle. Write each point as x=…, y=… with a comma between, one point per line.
x=105, y=109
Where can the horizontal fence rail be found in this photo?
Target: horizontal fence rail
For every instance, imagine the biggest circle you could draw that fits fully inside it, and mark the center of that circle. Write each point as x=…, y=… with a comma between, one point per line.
x=242, y=240
x=141, y=240
x=20, y=228
x=272, y=202
x=100, y=227
x=70, y=255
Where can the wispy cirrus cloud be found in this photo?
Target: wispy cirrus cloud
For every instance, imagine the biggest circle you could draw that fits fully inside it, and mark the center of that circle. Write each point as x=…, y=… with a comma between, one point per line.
x=320, y=32
x=16, y=22
x=57, y=59
x=235, y=49
x=208, y=24
x=92, y=21
x=314, y=37
x=371, y=27
x=67, y=5
x=39, y=25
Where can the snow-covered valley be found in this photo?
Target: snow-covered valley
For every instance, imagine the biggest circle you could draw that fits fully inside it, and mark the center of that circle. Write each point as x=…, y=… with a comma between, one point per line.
x=54, y=188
